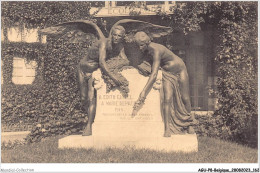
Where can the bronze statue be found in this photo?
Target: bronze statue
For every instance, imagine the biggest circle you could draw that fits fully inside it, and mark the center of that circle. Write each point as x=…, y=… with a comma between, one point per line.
x=176, y=101
x=113, y=46
x=122, y=32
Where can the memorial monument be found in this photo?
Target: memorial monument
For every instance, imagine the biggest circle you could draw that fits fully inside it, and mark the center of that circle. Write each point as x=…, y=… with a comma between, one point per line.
x=120, y=115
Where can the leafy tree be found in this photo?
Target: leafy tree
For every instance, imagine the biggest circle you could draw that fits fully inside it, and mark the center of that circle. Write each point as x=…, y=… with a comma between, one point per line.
x=237, y=83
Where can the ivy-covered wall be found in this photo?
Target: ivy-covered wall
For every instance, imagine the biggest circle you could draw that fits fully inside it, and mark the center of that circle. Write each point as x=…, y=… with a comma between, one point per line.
x=61, y=112
x=52, y=101
x=42, y=103
x=20, y=106
x=237, y=117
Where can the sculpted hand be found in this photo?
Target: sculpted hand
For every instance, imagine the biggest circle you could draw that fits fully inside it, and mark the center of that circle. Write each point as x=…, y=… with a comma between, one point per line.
x=142, y=97
x=135, y=108
x=138, y=104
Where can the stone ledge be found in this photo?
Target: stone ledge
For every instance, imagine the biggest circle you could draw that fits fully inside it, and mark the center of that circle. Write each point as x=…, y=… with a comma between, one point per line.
x=176, y=143
x=12, y=136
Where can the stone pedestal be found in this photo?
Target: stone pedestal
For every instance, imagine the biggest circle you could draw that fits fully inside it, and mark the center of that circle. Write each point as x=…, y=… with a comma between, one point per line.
x=176, y=143
x=114, y=126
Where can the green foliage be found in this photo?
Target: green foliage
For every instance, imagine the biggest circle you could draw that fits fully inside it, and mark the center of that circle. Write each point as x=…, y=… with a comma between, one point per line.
x=207, y=125
x=185, y=16
x=237, y=83
x=20, y=103
x=45, y=13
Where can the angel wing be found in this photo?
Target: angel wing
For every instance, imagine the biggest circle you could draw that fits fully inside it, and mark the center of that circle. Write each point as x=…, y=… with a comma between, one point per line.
x=132, y=26
x=75, y=31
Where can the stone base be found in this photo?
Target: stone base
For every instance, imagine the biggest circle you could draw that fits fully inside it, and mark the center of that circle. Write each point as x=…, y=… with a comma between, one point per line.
x=115, y=127
x=176, y=143
x=13, y=136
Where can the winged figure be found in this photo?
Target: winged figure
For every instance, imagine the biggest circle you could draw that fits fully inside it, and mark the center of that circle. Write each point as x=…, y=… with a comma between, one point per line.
x=108, y=54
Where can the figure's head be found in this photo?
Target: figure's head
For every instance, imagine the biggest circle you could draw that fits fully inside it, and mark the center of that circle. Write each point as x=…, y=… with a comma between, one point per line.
x=142, y=40
x=118, y=34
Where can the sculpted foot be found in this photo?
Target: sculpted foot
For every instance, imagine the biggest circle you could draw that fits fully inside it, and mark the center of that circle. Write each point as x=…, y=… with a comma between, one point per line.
x=87, y=131
x=167, y=134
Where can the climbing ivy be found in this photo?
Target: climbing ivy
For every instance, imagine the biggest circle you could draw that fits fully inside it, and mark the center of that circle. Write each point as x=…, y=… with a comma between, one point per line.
x=51, y=103
x=237, y=82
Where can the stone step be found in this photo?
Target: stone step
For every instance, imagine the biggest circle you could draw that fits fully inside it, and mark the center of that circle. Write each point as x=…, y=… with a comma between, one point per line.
x=12, y=136
x=176, y=143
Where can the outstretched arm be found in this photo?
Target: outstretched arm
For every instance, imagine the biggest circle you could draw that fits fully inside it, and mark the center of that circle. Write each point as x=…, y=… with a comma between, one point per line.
x=149, y=84
x=103, y=64
x=153, y=76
